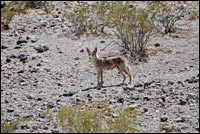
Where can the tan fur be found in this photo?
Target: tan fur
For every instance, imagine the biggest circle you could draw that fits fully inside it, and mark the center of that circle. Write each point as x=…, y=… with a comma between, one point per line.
x=107, y=63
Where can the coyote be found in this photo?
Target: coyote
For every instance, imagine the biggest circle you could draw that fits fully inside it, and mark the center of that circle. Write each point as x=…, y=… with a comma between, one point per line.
x=106, y=63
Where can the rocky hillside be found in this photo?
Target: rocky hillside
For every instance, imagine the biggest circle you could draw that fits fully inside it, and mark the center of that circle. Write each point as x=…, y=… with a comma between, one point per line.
x=44, y=67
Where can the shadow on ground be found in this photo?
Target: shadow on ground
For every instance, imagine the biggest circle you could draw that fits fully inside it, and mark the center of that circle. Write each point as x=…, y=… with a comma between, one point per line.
x=99, y=87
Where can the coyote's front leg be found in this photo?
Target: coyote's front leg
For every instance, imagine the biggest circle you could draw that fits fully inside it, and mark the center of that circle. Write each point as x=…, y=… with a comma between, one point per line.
x=101, y=77
x=99, y=74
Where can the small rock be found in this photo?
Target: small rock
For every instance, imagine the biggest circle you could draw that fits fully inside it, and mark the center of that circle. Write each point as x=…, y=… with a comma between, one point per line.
x=41, y=115
x=66, y=93
x=41, y=49
x=12, y=56
x=89, y=96
x=34, y=127
x=22, y=40
x=34, y=70
x=163, y=119
x=39, y=64
x=102, y=41
x=134, y=97
x=22, y=29
x=179, y=82
x=114, y=115
x=138, y=85
x=146, y=98
x=73, y=85
x=45, y=128
x=170, y=82
x=20, y=71
x=59, y=84
x=13, y=8
x=29, y=97
x=163, y=98
x=192, y=80
x=156, y=44
x=54, y=131
x=50, y=105
x=182, y=102
x=32, y=38
x=17, y=47
x=77, y=58
x=145, y=110
x=58, y=100
x=82, y=50
x=140, y=90
x=39, y=99
x=8, y=60
x=130, y=6
x=6, y=101
x=23, y=126
x=147, y=84
x=10, y=110
x=180, y=119
x=120, y=100
x=3, y=47
x=60, y=52
x=22, y=57
x=78, y=100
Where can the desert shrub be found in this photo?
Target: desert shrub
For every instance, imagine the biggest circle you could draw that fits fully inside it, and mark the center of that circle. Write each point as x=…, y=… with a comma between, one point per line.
x=89, y=19
x=79, y=19
x=130, y=24
x=11, y=9
x=132, y=27
x=101, y=18
x=164, y=15
x=19, y=7
x=167, y=129
x=8, y=127
x=123, y=123
x=194, y=15
x=96, y=118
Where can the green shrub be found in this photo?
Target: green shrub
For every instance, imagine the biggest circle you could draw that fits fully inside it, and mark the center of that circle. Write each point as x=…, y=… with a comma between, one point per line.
x=165, y=15
x=167, y=129
x=79, y=19
x=13, y=8
x=132, y=27
x=96, y=118
x=129, y=24
x=19, y=7
x=194, y=15
x=123, y=123
x=89, y=19
x=8, y=127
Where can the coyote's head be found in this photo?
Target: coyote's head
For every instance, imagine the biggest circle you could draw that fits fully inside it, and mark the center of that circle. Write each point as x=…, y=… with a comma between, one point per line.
x=92, y=54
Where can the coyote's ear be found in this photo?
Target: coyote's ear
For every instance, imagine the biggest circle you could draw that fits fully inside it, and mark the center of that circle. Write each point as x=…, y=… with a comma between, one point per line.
x=95, y=50
x=87, y=50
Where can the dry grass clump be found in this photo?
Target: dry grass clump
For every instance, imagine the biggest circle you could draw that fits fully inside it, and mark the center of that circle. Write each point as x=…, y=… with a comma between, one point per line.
x=97, y=118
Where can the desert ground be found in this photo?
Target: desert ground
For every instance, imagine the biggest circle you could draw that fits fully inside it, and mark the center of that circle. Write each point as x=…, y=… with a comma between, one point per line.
x=44, y=67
